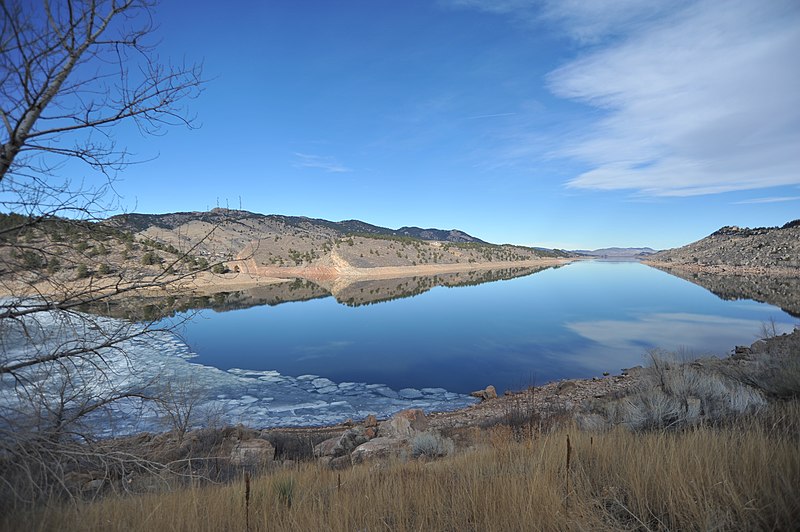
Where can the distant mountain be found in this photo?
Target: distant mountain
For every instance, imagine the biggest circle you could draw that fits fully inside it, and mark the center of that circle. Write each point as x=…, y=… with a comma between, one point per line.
x=616, y=252
x=731, y=246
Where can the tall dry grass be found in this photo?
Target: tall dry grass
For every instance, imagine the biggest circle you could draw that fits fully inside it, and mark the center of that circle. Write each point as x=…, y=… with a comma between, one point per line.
x=743, y=476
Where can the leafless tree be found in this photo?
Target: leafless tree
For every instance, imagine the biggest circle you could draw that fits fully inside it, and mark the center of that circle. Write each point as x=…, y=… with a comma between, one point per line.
x=72, y=73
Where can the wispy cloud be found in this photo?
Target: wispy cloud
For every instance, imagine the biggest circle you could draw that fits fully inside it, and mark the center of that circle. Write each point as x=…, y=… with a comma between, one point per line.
x=328, y=164
x=702, y=102
x=586, y=21
x=495, y=115
x=696, y=96
x=773, y=199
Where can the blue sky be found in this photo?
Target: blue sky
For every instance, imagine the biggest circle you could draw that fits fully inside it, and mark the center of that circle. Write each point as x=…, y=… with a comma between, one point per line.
x=565, y=123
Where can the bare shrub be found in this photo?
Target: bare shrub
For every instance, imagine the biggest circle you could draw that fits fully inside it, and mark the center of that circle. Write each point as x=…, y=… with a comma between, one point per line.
x=431, y=445
x=774, y=369
x=675, y=394
x=72, y=72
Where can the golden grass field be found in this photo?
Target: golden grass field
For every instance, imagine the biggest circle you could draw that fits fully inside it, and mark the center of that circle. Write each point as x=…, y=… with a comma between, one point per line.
x=741, y=476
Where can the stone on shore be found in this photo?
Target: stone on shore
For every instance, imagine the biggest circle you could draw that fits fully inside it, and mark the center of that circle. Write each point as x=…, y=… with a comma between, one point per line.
x=404, y=424
x=487, y=393
x=381, y=447
x=343, y=444
x=255, y=452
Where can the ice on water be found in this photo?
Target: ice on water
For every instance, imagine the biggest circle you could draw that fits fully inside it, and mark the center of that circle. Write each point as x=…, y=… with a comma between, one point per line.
x=159, y=360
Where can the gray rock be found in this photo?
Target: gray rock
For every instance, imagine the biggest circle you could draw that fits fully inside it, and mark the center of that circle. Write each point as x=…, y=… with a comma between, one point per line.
x=252, y=453
x=342, y=444
x=340, y=462
x=487, y=393
x=404, y=424
x=381, y=447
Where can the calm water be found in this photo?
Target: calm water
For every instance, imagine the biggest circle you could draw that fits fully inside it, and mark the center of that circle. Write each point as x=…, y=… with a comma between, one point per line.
x=575, y=321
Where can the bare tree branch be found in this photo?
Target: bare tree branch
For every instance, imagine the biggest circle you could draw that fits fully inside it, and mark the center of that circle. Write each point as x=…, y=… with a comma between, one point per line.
x=71, y=72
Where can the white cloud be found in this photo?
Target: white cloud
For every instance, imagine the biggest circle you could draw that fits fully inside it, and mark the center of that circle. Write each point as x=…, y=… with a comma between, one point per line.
x=772, y=199
x=701, y=102
x=329, y=164
x=495, y=115
x=586, y=21
x=589, y=21
x=695, y=96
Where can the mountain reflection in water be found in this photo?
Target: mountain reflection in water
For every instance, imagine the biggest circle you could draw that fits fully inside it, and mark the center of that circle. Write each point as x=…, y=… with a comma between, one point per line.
x=578, y=320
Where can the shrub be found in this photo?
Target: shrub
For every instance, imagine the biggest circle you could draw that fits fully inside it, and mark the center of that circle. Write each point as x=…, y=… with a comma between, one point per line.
x=431, y=445
x=150, y=258
x=53, y=264
x=81, y=271
x=677, y=394
x=103, y=269
x=219, y=268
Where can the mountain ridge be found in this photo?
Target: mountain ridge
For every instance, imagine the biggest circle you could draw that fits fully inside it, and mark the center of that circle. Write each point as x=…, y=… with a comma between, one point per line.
x=274, y=245
x=141, y=221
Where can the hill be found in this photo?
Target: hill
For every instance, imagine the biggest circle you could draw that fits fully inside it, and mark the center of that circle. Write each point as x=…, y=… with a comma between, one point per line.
x=761, y=248
x=281, y=246
x=154, y=248
x=762, y=264
x=283, y=224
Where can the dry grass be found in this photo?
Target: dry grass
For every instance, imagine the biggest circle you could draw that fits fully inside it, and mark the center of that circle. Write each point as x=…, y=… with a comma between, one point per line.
x=743, y=476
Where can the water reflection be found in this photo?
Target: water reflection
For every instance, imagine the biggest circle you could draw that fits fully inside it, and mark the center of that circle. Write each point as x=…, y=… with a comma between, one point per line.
x=355, y=293
x=781, y=291
x=538, y=325
x=576, y=321
x=350, y=292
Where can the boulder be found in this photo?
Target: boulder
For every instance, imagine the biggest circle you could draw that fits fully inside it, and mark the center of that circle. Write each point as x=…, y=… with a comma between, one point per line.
x=343, y=444
x=327, y=448
x=252, y=453
x=487, y=393
x=381, y=447
x=404, y=424
x=565, y=387
x=340, y=462
x=371, y=421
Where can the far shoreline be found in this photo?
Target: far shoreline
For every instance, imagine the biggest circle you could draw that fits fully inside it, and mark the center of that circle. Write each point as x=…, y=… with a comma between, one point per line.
x=207, y=283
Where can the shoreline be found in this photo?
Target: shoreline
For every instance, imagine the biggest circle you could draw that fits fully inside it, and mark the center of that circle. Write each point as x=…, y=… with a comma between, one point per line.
x=724, y=269
x=347, y=272
x=207, y=283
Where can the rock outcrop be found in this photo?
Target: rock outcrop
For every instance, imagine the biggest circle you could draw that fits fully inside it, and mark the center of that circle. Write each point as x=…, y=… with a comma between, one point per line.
x=374, y=440
x=487, y=393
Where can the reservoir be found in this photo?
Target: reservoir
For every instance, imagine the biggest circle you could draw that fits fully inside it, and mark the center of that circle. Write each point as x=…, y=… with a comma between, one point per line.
x=574, y=321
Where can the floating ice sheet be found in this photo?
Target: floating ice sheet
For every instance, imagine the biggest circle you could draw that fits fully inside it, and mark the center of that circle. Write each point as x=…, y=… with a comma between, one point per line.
x=158, y=361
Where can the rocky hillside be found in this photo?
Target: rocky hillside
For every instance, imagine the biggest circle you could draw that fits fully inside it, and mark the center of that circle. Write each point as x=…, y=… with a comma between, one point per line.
x=280, y=224
x=759, y=248
x=274, y=244
x=137, y=246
